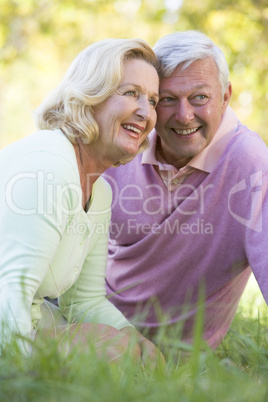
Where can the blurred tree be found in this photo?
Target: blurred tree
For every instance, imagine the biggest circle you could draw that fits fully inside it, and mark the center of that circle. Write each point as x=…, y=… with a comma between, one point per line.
x=39, y=38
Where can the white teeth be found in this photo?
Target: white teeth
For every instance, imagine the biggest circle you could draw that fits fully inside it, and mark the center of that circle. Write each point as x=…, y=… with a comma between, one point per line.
x=185, y=132
x=128, y=127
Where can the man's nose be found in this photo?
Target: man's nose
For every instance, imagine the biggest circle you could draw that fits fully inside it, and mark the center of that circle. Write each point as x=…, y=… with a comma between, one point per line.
x=184, y=111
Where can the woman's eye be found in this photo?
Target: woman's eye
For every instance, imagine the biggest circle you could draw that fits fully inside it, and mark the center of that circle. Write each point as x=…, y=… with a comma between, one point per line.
x=132, y=93
x=153, y=102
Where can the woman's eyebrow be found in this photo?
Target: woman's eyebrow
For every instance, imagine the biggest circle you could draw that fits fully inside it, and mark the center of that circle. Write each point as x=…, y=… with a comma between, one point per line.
x=137, y=87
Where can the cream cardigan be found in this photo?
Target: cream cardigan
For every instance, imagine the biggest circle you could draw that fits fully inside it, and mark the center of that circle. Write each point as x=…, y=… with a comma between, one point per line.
x=49, y=246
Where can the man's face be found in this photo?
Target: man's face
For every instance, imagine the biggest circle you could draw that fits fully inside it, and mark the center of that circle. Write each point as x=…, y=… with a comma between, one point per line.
x=189, y=111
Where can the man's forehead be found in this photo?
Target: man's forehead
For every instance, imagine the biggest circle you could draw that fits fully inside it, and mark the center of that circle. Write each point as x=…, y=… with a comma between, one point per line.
x=190, y=65
x=200, y=73
x=194, y=86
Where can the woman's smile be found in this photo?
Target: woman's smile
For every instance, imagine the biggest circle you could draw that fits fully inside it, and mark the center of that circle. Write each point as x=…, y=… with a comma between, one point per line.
x=128, y=116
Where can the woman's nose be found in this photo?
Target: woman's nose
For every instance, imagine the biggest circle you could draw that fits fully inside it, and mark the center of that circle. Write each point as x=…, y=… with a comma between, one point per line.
x=144, y=109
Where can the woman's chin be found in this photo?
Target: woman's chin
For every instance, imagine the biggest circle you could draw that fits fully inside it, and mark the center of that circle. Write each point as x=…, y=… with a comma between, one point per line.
x=131, y=149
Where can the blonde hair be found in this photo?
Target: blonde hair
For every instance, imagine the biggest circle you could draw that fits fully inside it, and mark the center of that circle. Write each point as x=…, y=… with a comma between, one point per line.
x=92, y=77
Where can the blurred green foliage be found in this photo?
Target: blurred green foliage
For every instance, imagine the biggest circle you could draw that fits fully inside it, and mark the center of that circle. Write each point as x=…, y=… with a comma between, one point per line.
x=39, y=39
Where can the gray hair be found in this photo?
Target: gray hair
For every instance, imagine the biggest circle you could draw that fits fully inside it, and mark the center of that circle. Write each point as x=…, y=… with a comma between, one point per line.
x=185, y=48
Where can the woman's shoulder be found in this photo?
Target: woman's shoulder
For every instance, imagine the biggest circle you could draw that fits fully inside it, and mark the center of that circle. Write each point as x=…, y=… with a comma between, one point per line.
x=53, y=141
x=47, y=153
x=43, y=144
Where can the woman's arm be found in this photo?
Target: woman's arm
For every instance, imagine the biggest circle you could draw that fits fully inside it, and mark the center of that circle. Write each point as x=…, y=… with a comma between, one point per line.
x=31, y=226
x=86, y=300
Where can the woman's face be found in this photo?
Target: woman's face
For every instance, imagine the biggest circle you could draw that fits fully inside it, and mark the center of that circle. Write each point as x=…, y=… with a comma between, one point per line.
x=127, y=117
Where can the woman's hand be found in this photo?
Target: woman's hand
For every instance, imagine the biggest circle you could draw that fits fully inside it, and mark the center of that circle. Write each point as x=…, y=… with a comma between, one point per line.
x=151, y=356
x=108, y=342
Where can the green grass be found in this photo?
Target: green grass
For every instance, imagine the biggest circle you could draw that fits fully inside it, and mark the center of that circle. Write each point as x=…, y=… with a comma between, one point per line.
x=237, y=371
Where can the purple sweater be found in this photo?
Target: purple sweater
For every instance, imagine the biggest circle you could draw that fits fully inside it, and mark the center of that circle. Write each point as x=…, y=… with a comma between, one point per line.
x=165, y=246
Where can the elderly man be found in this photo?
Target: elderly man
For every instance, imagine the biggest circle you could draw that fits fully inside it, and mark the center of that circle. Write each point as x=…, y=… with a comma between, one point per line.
x=190, y=215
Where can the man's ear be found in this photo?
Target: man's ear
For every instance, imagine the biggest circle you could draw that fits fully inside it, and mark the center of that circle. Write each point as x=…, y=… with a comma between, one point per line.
x=227, y=96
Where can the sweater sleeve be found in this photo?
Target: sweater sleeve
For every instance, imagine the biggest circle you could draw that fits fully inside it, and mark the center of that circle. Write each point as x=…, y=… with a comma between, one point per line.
x=86, y=300
x=32, y=223
x=256, y=234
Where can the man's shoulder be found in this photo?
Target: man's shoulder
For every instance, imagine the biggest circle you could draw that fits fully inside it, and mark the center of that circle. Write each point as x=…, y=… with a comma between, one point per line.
x=247, y=144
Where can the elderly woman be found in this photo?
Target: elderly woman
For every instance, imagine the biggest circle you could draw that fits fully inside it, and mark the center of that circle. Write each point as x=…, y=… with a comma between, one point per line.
x=55, y=206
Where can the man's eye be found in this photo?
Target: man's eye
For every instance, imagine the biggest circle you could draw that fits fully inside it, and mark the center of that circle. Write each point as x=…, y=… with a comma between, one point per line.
x=166, y=100
x=199, y=99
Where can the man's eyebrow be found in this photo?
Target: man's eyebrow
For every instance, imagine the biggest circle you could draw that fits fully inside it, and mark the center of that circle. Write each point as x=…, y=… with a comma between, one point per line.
x=197, y=87
x=200, y=86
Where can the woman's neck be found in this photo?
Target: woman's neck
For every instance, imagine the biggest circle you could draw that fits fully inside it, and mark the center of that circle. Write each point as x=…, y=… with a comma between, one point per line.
x=90, y=165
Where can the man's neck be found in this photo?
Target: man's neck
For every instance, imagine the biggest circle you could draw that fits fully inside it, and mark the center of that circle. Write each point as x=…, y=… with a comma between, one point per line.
x=168, y=157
